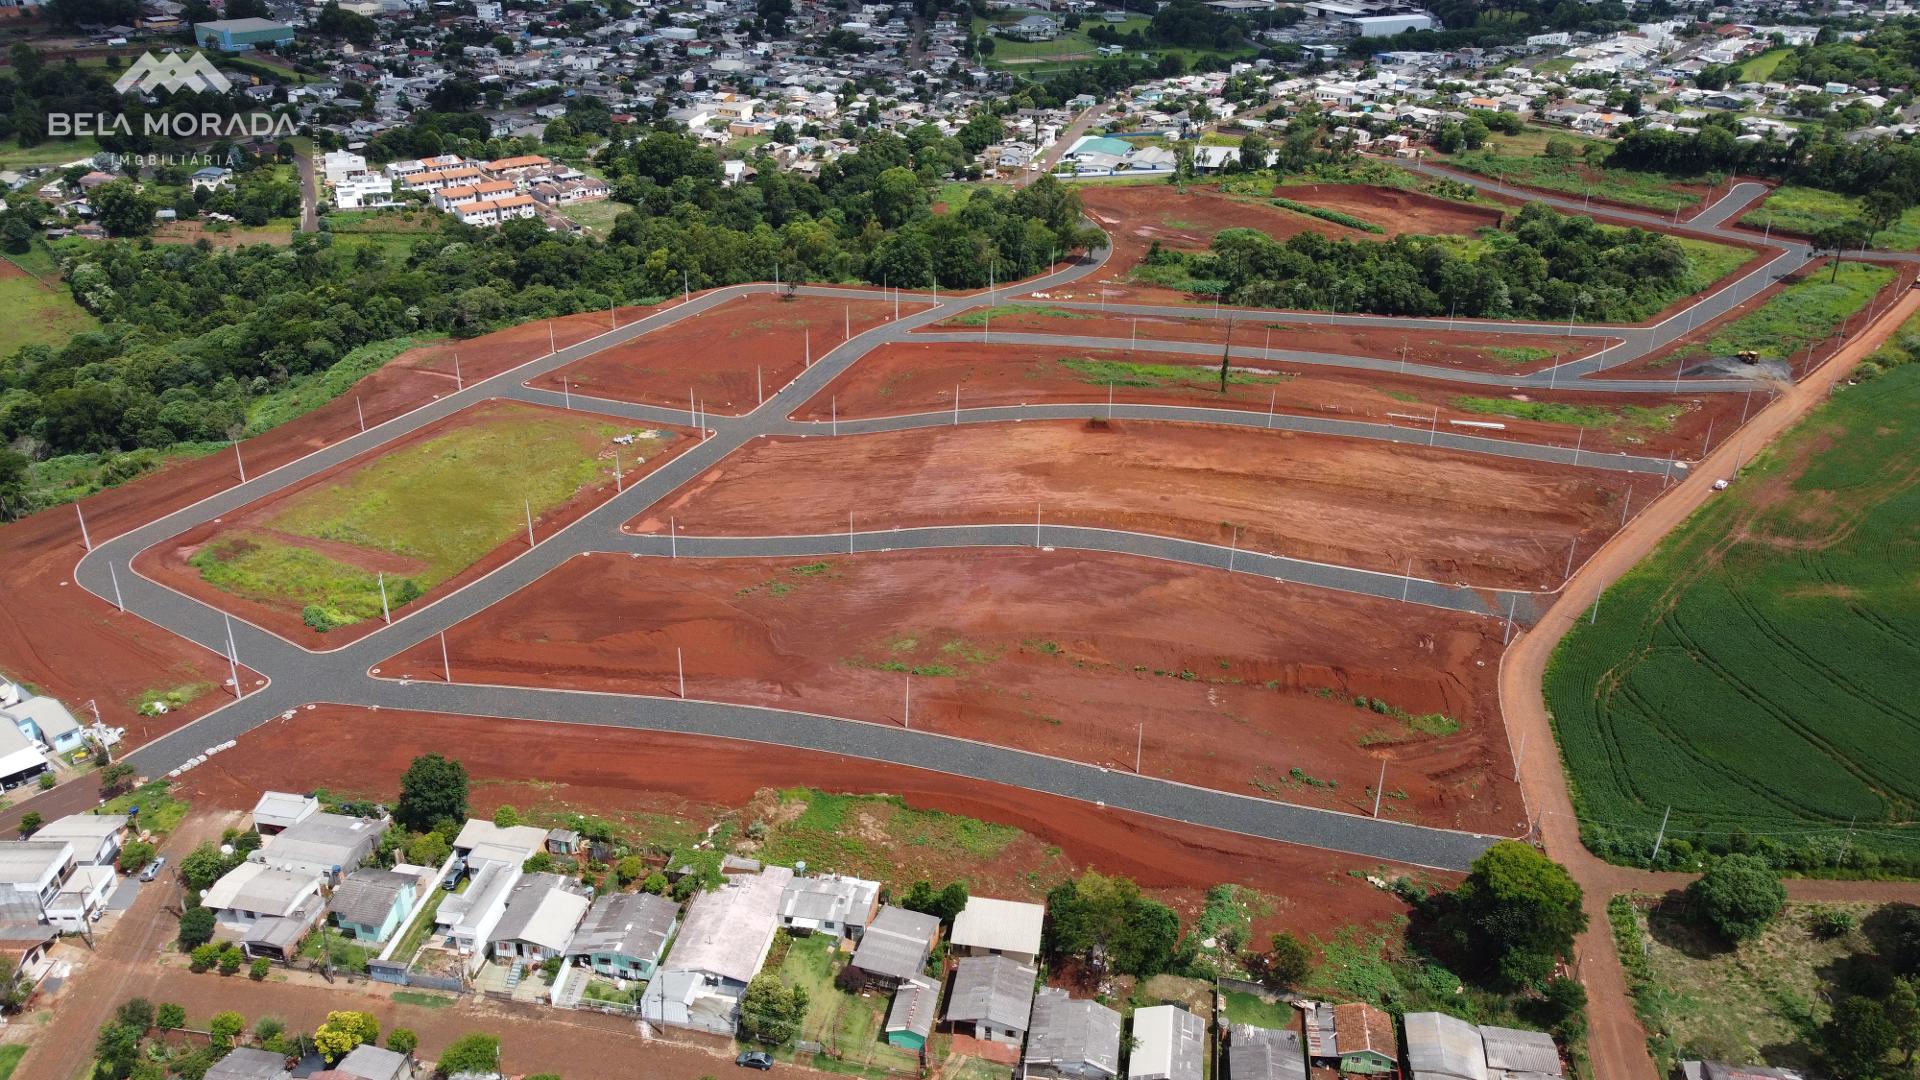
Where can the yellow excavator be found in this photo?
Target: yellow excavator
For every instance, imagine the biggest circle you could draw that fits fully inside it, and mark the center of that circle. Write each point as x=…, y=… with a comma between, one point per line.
x=1749, y=356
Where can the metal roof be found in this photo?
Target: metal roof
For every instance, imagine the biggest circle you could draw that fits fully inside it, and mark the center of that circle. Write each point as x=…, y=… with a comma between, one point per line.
x=1072, y=1032
x=996, y=989
x=727, y=931
x=913, y=1006
x=367, y=897
x=1257, y=1053
x=1169, y=1044
x=1512, y=1050
x=626, y=924
x=1001, y=925
x=896, y=943
x=1441, y=1046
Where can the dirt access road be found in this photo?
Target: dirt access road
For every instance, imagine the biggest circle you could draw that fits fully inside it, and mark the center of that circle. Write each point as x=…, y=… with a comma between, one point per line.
x=1617, y=1043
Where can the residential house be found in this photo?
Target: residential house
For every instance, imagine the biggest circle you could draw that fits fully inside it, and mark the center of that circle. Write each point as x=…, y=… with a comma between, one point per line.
x=32, y=874
x=910, y=1018
x=466, y=920
x=1720, y=1070
x=269, y=909
x=371, y=904
x=624, y=933
x=1364, y=1038
x=1442, y=1047
x=1257, y=1053
x=541, y=913
x=1072, y=1038
x=249, y=1063
x=278, y=811
x=323, y=845
x=992, y=998
x=96, y=838
x=370, y=1062
x=494, y=211
x=47, y=722
x=337, y=165
x=894, y=948
x=21, y=758
x=210, y=177
x=990, y=927
x=829, y=904
x=1169, y=1044
x=722, y=942
x=82, y=897
x=483, y=841
x=1513, y=1054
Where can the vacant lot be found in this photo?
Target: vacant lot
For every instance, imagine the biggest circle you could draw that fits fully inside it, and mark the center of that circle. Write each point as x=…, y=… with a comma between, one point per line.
x=1222, y=680
x=408, y=519
x=1755, y=674
x=1804, y=312
x=37, y=313
x=724, y=358
x=1805, y=210
x=1641, y=190
x=1450, y=516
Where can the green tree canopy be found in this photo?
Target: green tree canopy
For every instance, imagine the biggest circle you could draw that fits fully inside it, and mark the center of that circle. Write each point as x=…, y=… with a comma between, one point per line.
x=433, y=789
x=1737, y=896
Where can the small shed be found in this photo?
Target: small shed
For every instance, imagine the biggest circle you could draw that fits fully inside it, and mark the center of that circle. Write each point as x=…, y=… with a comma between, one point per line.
x=563, y=841
x=1511, y=1052
x=910, y=1019
x=1365, y=1038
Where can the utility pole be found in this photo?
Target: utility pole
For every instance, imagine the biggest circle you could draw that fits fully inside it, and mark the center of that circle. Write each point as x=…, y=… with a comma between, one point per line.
x=849, y=532
x=1380, y=787
x=673, y=538
x=1139, y=739
x=618, y=484
x=680, y=662
x=1660, y=837
x=358, y=408
x=386, y=613
x=566, y=393
x=238, y=461
x=233, y=659
x=84, y=538
x=458, y=382
x=1513, y=601
x=527, y=505
x=446, y=666
x=956, y=404
x=906, y=706
x=1226, y=356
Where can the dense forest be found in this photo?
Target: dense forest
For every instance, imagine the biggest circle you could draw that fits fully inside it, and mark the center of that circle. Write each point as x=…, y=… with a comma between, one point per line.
x=1540, y=264
x=192, y=335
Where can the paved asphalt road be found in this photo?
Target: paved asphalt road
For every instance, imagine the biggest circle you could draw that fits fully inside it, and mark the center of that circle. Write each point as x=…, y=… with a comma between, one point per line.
x=298, y=676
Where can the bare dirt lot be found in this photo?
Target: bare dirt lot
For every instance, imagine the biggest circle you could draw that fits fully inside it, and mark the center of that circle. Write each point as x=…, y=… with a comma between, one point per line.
x=612, y=772
x=1236, y=680
x=1464, y=348
x=169, y=563
x=907, y=378
x=1454, y=517
x=723, y=356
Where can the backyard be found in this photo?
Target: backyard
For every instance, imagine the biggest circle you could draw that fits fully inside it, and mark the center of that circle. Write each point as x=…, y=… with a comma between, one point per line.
x=846, y=1026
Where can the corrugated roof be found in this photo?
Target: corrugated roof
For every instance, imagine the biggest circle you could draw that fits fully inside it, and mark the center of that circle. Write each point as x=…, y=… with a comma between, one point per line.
x=1003, y=925
x=913, y=1006
x=1257, y=1053
x=1513, y=1050
x=1072, y=1032
x=1439, y=1046
x=1169, y=1043
x=626, y=924
x=896, y=943
x=367, y=897
x=996, y=989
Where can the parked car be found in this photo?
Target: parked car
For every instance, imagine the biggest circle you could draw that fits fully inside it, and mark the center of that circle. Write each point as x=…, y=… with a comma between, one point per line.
x=754, y=1059
x=152, y=869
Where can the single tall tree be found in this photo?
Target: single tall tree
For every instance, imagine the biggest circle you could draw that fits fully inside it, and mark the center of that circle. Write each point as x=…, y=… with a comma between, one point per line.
x=433, y=790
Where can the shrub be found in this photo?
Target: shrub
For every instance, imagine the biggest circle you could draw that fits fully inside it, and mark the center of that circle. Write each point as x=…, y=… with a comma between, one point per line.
x=230, y=961
x=47, y=781
x=225, y=1027
x=169, y=1016
x=321, y=618
x=257, y=971
x=403, y=1041
x=196, y=928
x=1831, y=923
x=203, y=957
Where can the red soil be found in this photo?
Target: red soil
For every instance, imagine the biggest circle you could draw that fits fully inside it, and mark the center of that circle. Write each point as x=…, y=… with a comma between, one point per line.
x=76, y=647
x=905, y=378
x=1058, y=654
x=168, y=563
x=608, y=771
x=715, y=354
x=1470, y=348
x=1456, y=516
x=1398, y=211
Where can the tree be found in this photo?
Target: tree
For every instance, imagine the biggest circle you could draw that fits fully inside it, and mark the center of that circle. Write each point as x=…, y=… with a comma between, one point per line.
x=656, y=884
x=1859, y=1039
x=1520, y=911
x=203, y=866
x=257, y=971
x=230, y=962
x=771, y=1012
x=506, y=817
x=475, y=1053
x=403, y=1041
x=116, y=779
x=433, y=789
x=169, y=1016
x=30, y=823
x=1737, y=896
x=1288, y=959
x=226, y=1026
x=345, y=1030
x=428, y=849
x=196, y=928
x=134, y=855
x=1096, y=916
x=629, y=869
x=1840, y=237
x=122, y=210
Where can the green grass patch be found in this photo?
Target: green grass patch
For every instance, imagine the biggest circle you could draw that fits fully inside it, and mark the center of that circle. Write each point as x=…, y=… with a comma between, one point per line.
x=308, y=392
x=1708, y=262
x=347, y=953
x=1245, y=1008
x=1761, y=68
x=1335, y=216
x=16, y=157
x=441, y=504
x=1755, y=672
x=160, y=812
x=1516, y=355
x=1804, y=312
x=39, y=314
x=10, y=1056
x=1132, y=373
x=848, y=1025
x=866, y=834
x=1639, y=417
x=1641, y=189
x=981, y=316
x=1805, y=210
x=71, y=477
x=422, y=1000
x=598, y=215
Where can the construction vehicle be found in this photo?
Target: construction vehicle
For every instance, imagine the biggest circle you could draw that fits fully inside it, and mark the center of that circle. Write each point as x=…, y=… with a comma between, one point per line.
x=1749, y=356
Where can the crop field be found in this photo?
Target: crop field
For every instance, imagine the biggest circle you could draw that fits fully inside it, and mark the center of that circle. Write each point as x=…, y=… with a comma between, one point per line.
x=1756, y=673
x=1803, y=210
x=416, y=516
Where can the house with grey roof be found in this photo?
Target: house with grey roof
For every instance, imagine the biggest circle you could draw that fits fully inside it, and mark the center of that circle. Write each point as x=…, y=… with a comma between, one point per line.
x=894, y=948
x=32, y=875
x=910, y=1017
x=992, y=927
x=992, y=998
x=1513, y=1054
x=269, y=910
x=541, y=914
x=829, y=904
x=722, y=942
x=96, y=838
x=370, y=1062
x=249, y=1063
x=371, y=904
x=322, y=844
x=1442, y=1047
x=624, y=933
x=1169, y=1044
x=46, y=721
x=1258, y=1053
x=278, y=811
x=1072, y=1038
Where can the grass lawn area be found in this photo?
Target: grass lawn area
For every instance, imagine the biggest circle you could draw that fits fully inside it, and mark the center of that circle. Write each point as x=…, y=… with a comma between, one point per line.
x=438, y=505
x=598, y=215
x=424, y=1000
x=848, y=1025
x=954, y=194
x=744, y=146
x=1634, y=417
x=38, y=314
x=1759, y=1002
x=51, y=152
x=160, y=812
x=1755, y=672
x=346, y=952
x=1528, y=169
x=1803, y=312
x=1802, y=210
x=1760, y=68
x=10, y=1056
x=835, y=830
x=1245, y=1008
x=1128, y=373
x=422, y=925
x=1711, y=261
